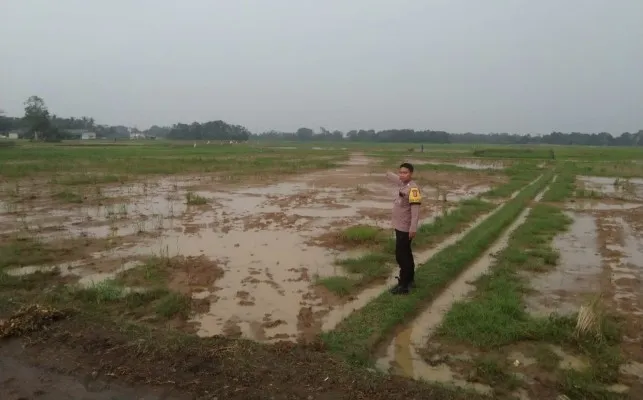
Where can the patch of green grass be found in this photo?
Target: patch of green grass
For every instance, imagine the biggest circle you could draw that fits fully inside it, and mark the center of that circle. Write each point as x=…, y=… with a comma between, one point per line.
x=113, y=297
x=562, y=188
x=193, y=199
x=492, y=371
x=360, y=235
x=370, y=264
x=519, y=174
x=173, y=304
x=68, y=197
x=107, y=163
x=496, y=314
x=356, y=336
x=589, y=385
x=366, y=269
x=339, y=285
x=21, y=251
x=103, y=292
x=515, y=152
x=451, y=222
x=154, y=272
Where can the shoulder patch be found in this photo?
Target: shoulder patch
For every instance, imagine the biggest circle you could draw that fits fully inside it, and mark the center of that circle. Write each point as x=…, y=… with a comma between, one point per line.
x=415, y=197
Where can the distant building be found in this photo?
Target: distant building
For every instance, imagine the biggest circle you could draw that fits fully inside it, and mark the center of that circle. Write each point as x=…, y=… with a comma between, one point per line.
x=13, y=135
x=136, y=135
x=80, y=134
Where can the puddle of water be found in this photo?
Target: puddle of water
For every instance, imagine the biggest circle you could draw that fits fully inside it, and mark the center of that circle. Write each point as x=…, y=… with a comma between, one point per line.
x=469, y=164
x=87, y=277
x=267, y=278
x=405, y=347
x=568, y=361
x=628, y=188
x=260, y=231
x=588, y=205
x=626, y=265
x=578, y=271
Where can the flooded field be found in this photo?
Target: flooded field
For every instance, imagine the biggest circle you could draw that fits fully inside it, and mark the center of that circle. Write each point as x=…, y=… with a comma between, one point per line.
x=257, y=239
x=305, y=258
x=626, y=188
x=473, y=164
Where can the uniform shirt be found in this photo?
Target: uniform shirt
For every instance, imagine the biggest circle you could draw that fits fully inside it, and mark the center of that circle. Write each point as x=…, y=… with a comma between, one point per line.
x=406, y=206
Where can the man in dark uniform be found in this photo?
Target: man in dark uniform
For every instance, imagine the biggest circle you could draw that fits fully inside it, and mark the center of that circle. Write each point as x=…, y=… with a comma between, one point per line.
x=406, y=214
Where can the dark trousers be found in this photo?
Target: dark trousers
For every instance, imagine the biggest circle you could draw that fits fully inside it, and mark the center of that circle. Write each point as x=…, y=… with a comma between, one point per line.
x=404, y=257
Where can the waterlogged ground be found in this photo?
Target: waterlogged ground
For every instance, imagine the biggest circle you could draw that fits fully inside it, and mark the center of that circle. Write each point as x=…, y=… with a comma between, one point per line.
x=601, y=253
x=248, y=252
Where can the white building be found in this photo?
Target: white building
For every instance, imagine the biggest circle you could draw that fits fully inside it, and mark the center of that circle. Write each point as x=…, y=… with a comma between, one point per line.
x=13, y=135
x=136, y=135
x=88, y=136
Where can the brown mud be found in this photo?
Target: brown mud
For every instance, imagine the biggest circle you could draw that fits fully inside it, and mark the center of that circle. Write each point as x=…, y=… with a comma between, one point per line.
x=80, y=357
x=261, y=235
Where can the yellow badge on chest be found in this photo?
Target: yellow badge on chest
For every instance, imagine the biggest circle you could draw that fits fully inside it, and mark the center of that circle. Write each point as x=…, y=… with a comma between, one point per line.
x=415, y=197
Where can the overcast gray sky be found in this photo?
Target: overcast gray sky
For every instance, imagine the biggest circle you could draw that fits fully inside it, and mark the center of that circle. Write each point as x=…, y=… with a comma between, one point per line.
x=457, y=65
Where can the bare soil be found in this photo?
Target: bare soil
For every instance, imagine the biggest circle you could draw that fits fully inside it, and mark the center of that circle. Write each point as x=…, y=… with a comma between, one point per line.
x=75, y=356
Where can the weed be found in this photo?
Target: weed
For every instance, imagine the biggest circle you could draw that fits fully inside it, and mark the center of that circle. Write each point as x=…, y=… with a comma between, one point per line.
x=340, y=285
x=520, y=174
x=361, y=235
x=173, y=304
x=194, y=199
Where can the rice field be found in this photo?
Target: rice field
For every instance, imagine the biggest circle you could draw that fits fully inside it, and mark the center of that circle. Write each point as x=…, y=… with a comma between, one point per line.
x=256, y=263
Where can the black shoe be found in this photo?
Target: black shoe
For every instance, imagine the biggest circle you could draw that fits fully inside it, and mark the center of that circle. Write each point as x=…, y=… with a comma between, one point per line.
x=400, y=290
x=395, y=288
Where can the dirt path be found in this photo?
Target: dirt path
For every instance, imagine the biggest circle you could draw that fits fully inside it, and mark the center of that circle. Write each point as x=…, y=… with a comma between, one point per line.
x=402, y=355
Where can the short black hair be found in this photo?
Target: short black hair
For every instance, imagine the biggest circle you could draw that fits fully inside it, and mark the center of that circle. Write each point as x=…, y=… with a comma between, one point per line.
x=408, y=166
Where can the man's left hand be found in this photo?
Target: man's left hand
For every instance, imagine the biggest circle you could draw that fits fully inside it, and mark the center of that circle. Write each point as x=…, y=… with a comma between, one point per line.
x=411, y=235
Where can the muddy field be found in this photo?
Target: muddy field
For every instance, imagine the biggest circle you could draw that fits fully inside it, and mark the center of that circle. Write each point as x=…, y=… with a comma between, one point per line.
x=248, y=250
x=601, y=258
x=268, y=260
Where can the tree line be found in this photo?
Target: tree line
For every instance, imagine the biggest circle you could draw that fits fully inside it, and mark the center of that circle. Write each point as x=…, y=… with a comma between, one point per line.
x=429, y=136
x=37, y=123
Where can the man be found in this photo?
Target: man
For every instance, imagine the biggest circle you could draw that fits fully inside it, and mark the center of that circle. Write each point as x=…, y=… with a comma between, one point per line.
x=406, y=213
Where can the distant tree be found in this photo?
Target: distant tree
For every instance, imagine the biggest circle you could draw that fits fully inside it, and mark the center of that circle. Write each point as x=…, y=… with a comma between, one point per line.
x=211, y=130
x=158, y=131
x=305, y=134
x=5, y=122
x=37, y=121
